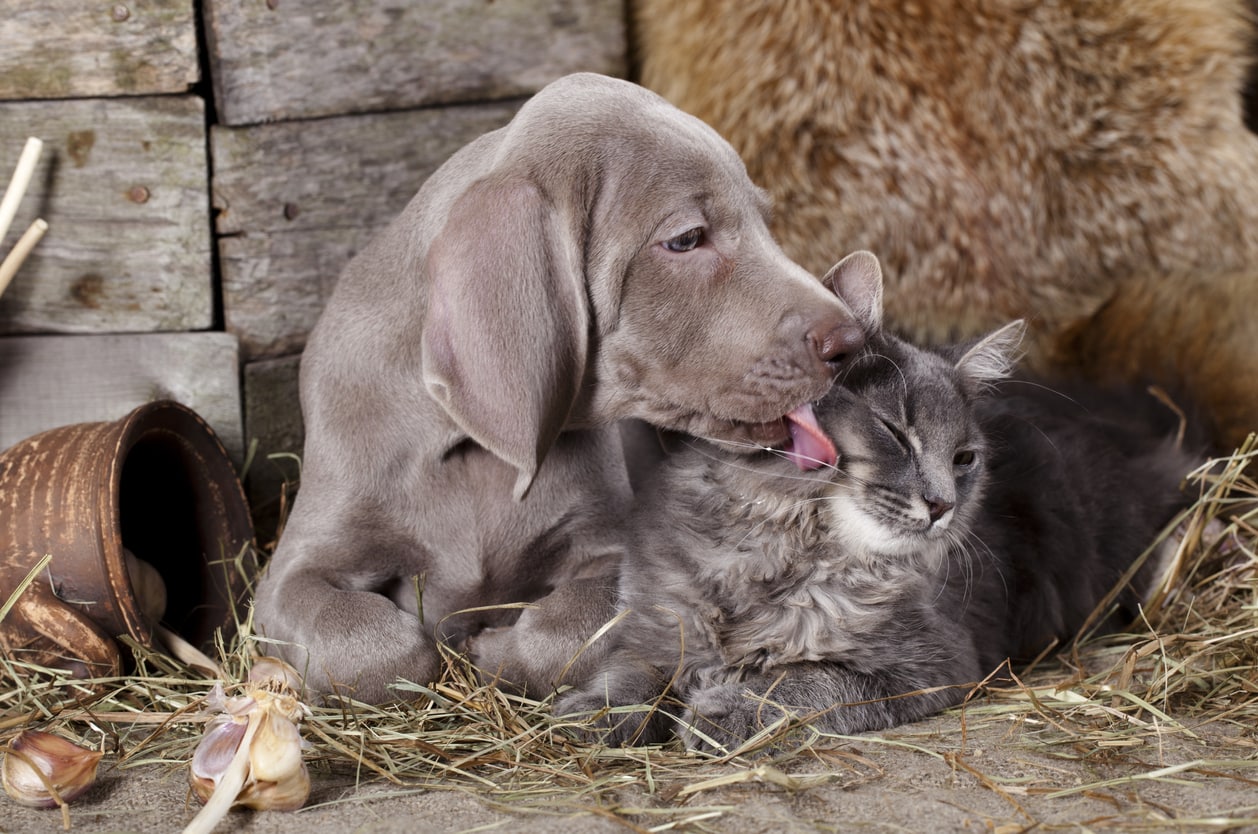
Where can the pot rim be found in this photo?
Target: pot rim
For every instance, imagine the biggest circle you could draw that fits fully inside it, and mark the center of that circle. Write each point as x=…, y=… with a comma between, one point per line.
x=189, y=429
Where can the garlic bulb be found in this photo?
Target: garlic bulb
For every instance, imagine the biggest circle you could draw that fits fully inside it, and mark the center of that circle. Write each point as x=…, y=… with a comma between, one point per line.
x=65, y=766
x=251, y=754
x=272, y=672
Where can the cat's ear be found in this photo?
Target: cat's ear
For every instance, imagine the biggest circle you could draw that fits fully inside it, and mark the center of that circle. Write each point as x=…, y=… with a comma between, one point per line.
x=857, y=281
x=992, y=357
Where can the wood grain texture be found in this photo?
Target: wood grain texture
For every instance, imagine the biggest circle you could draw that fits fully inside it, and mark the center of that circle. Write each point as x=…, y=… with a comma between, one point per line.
x=296, y=200
x=124, y=186
x=283, y=59
x=69, y=48
x=50, y=381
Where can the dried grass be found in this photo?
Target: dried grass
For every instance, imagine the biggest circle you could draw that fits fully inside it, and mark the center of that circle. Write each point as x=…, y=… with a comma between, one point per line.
x=1191, y=662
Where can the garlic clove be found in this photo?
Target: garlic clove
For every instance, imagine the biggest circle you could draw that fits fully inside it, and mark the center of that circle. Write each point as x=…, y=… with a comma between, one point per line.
x=278, y=778
x=148, y=587
x=276, y=751
x=214, y=753
x=273, y=670
x=288, y=795
x=69, y=768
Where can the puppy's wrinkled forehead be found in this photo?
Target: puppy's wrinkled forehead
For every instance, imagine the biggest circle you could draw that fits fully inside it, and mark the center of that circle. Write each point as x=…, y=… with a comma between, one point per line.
x=604, y=131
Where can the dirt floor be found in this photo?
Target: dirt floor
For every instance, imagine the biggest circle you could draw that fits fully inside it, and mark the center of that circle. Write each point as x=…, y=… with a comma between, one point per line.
x=978, y=771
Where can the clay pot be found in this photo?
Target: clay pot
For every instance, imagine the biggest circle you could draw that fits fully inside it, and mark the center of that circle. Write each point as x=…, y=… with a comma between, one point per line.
x=157, y=483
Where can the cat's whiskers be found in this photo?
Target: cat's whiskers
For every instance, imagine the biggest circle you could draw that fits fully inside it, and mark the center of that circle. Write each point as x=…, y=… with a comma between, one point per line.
x=1063, y=395
x=870, y=355
x=745, y=467
x=978, y=555
x=1030, y=383
x=958, y=553
x=1040, y=431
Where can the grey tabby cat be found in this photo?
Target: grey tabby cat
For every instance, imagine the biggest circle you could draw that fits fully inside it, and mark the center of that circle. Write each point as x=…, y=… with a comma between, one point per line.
x=953, y=527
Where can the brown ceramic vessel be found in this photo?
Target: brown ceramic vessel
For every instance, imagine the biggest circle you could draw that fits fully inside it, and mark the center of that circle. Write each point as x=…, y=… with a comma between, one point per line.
x=157, y=483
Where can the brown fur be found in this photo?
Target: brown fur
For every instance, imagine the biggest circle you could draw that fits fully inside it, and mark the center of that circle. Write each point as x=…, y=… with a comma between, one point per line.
x=1083, y=164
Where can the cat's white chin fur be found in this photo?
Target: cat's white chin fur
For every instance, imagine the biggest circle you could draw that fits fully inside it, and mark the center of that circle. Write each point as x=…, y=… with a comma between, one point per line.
x=865, y=538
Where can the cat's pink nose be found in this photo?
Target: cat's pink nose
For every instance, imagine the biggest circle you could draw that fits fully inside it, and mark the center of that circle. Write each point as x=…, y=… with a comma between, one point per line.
x=937, y=507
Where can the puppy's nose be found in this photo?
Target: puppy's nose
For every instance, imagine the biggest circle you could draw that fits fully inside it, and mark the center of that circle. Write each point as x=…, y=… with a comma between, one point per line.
x=834, y=341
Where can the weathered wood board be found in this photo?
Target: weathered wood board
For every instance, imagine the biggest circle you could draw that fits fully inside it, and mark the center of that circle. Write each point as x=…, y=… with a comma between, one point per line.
x=124, y=186
x=274, y=428
x=284, y=59
x=73, y=49
x=296, y=200
x=50, y=381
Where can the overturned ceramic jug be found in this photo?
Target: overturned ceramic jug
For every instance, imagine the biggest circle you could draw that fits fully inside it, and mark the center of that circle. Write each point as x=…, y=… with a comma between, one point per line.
x=107, y=501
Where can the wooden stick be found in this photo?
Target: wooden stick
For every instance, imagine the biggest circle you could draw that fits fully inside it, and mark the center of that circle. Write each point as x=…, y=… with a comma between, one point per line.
x=11, y=263
x=17, y=186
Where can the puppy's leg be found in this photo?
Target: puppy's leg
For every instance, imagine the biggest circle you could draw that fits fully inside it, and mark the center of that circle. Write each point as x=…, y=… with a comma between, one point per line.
x=351, y=642
x=323, y=602
x=547, y=645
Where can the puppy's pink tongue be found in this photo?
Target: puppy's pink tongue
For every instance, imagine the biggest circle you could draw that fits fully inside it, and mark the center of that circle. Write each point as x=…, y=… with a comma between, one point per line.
x=809, y=447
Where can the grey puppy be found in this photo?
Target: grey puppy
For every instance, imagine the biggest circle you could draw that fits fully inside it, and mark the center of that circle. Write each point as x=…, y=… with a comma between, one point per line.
x=603, y=256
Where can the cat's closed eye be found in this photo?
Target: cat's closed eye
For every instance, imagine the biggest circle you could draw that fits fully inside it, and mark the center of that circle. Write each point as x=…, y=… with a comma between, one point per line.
x=900, y=437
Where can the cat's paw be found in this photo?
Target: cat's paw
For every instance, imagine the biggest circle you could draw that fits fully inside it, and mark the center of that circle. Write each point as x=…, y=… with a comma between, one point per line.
x=613, y=725
x=722, y=718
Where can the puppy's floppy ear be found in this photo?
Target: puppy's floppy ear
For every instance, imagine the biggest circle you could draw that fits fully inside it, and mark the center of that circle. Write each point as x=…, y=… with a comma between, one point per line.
x=857, y=281
x=506, y=333
x=992, y=357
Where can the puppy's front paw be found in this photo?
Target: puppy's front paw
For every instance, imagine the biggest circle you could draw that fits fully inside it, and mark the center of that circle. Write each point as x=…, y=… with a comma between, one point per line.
x=492, y=652
x=612, y=725
x=359, y=645
x=547, y=646
x=720, y=719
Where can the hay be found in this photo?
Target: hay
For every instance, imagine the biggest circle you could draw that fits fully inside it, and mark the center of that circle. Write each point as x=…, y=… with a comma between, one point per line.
x=1191, y=661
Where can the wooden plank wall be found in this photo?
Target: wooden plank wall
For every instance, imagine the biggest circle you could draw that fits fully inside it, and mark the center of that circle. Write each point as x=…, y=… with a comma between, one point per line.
x=76, y=49
x=284, y=236
x=278, y=59
x=318, y=121
x=123, y=184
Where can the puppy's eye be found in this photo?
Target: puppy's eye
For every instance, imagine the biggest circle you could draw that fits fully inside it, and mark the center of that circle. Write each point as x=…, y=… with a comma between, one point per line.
x=685, y=241
x=964, y=459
